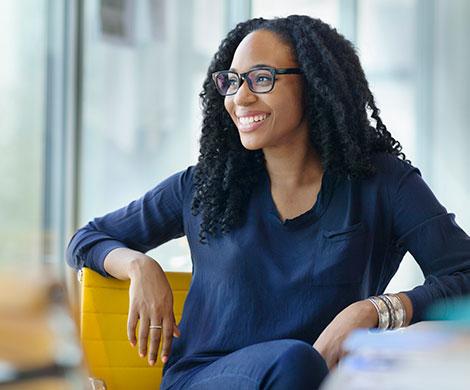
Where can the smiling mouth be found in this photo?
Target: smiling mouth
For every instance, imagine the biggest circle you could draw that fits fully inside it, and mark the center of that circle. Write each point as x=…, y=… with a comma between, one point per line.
x=246, y=120
x=251, y=122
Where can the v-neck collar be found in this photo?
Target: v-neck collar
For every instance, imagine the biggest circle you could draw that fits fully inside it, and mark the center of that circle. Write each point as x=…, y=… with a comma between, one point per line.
x=310, y=216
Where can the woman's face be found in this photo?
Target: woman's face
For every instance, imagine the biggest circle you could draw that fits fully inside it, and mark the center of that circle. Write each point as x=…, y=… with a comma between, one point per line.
x=283, y=107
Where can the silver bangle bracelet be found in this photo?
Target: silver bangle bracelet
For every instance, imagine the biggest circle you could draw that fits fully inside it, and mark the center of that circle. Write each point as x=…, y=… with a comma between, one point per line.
x=382, y=312
x=391, y=309
x=404, y=310
x=399, y=309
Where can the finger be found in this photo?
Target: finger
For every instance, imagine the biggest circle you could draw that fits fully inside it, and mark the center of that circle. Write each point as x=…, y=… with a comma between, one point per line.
x=131, y=326
x=167, y=338
x=176, y=331
x=342, y=355
x=155, y=335
x=333, y=363
x=143, y=335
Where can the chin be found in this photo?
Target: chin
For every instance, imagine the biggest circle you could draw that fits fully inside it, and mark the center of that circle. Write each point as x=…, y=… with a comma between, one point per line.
x=249, y=145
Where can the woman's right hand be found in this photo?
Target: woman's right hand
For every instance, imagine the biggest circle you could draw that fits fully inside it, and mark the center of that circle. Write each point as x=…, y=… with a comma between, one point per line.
x=151, y=302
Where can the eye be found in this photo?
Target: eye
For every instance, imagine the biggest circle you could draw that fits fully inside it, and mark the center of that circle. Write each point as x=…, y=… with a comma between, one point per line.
x=262, y=79
x=232, y=80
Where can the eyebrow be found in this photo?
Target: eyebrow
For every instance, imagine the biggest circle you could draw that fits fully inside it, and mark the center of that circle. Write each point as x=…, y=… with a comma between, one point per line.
x=253, y=67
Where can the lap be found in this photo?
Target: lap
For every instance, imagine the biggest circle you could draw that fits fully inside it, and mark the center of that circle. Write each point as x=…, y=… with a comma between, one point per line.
x=273, y=364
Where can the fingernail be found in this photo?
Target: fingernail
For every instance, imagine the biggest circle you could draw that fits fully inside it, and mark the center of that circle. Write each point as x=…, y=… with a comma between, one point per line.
x=141, y=354
x=152, y=362
x=164, y=359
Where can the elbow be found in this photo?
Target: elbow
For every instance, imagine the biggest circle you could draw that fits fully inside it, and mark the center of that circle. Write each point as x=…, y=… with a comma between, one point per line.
x=73, y=253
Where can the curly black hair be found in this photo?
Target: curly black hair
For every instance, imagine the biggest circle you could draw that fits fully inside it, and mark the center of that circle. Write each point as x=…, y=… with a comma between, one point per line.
x=337, y=97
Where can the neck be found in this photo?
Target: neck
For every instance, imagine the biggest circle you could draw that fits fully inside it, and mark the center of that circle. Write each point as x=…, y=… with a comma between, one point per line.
x=293, y=169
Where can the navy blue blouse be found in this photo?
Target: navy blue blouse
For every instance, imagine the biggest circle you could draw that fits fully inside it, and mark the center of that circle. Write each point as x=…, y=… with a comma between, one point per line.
x=271, y=279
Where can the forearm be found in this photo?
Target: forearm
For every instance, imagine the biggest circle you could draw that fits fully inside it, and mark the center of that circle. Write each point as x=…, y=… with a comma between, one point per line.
x=443, y=289
x=91, y=247
x=122, y=263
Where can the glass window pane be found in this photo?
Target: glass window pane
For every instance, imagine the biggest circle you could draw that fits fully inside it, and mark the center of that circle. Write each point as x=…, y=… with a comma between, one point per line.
x=144, y=65
x=387, y=54
x=383, y=46
x=22, y=118
x=326, y=10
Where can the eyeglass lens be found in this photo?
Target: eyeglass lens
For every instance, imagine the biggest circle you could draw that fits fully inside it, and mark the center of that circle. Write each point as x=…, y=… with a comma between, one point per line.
x=259, y=80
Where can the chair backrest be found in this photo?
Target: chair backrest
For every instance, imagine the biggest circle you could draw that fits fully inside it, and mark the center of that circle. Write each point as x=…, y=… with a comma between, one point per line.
x=103, y=331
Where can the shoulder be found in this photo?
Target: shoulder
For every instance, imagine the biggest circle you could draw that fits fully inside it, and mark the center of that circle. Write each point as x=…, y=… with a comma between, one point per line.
x=186, y=176
x=176, y=186
x=182, y=178
x=392, y=175
x=391, y=169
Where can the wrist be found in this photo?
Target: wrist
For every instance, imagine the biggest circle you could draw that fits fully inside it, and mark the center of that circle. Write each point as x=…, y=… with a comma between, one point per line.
x=365, y=313
x=370, y=313
x=391, y=310
x=408, y=306
x=140, y=265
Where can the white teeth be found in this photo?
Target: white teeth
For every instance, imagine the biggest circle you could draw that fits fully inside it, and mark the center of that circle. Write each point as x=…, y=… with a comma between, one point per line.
x=250, y=119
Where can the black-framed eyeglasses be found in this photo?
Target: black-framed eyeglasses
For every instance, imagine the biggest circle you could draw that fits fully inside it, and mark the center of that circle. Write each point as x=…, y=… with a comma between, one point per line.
x=260, y=80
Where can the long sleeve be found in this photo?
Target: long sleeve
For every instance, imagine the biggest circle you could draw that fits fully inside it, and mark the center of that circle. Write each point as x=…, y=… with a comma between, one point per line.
x=146, y=223
x=423, y=227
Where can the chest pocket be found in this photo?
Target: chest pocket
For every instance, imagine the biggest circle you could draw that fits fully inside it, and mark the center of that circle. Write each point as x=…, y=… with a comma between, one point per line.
x=342, y=257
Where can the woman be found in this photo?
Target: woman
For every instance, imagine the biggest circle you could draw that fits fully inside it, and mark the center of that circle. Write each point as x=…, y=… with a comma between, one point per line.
x=297, y=214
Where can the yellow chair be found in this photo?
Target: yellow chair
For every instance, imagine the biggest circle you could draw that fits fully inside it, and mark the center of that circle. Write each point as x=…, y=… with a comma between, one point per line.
x=103, y=331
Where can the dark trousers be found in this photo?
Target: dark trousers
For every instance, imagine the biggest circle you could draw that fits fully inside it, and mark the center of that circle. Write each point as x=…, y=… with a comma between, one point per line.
x=277, y=364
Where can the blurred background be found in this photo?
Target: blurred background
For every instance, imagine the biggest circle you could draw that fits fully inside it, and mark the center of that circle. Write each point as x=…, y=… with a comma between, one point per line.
x=99, y=102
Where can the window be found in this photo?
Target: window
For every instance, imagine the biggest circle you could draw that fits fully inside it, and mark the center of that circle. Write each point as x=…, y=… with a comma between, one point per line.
x=144, y=66
x=326, y=10
x=22, y=126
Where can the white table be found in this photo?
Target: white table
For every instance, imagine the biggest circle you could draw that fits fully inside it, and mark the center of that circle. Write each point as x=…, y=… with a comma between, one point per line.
x=427, y=355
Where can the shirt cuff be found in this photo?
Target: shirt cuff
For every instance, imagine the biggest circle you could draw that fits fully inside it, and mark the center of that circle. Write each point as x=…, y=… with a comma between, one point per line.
x=97, y=254
x=420, y=299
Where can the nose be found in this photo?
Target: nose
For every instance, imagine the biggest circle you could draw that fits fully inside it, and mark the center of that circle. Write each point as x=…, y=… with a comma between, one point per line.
x=244, y=95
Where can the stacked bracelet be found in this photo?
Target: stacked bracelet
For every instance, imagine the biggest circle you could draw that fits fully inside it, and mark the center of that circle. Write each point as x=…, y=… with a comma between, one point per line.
x=390, y=310
x=399, y=310
x=382, y=311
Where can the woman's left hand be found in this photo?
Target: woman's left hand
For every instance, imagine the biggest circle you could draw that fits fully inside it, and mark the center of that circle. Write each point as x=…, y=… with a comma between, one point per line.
x=361, y=314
